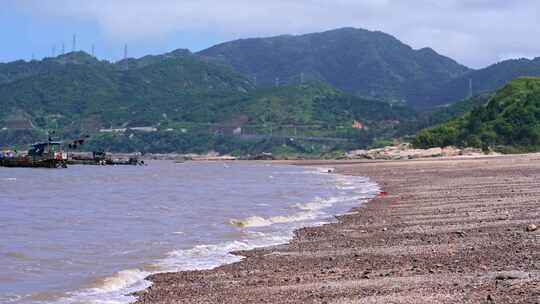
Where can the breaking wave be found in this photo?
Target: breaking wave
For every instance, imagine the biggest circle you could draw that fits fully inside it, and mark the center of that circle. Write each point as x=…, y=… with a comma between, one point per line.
x=257, y=221
x=118, y=288
x=111, y=290
x=210, y=256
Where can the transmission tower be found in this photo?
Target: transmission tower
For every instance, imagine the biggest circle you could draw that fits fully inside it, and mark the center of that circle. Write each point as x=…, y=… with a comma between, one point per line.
x=126, y=56
x=74, y=43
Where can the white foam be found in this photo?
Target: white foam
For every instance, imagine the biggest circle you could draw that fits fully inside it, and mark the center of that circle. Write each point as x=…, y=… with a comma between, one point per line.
x=318, y=204
x=210, y=256
x=252, y=221
x=121, y=280
x=257, y=221
x=111, y=290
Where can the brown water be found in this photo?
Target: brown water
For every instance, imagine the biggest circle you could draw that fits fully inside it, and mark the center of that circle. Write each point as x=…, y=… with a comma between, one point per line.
x=90, y=234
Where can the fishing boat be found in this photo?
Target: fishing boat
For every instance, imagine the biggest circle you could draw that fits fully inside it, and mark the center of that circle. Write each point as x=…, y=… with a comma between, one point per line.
x=102, y=158
x=42, y=155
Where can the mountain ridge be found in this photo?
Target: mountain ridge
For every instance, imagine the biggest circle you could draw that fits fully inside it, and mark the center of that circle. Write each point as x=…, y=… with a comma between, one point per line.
x=366, y=63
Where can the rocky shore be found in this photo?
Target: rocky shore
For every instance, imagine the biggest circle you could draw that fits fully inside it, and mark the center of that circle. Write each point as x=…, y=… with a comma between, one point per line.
x=406, y=151
x=443, y=231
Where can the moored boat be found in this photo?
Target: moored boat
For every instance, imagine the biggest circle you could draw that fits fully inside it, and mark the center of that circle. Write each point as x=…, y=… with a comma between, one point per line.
x=41, y=155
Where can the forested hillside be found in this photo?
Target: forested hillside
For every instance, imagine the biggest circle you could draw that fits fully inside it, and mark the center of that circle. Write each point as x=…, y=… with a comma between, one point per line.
x=185, y=98
x=510, y=121
x=365, y=63
x=487, y=79
x=340, y=89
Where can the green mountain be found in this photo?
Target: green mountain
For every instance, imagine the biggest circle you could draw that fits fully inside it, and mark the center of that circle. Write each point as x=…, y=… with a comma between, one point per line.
x=226, y=98
x=509, y=121
x=186, y=97
x=484, y=80
x=446, y=112
x=361, y=62
x=75, y=90
x=309, y=118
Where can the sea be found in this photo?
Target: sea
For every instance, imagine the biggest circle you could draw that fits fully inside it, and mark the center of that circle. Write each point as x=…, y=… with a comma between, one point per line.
x=92, y=234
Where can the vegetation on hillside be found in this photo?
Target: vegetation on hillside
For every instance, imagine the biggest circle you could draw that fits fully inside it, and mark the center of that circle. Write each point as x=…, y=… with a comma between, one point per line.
x=487, y=79
x=194, y=104
x=227, y=98
x=509, y=121
x=365, y=63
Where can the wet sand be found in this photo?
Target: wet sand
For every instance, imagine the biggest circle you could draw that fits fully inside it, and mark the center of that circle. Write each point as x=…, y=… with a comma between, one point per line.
x=448, y=231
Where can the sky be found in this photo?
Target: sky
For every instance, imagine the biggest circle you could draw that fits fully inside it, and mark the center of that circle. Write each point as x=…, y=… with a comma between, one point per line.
x=473, y=32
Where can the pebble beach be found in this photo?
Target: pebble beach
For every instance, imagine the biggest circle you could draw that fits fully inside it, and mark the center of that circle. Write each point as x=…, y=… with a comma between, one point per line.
x=441, y=231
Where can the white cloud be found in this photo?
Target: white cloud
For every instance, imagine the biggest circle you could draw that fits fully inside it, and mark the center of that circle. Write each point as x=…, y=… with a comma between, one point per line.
x=475, y=32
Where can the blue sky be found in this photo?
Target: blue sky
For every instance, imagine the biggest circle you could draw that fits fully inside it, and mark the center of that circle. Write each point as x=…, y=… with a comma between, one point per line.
x=25, y=35
x=474, y=32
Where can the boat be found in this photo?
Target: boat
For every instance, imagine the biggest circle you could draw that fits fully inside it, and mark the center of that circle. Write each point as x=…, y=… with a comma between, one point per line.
x=102, y=158
x=42, y=155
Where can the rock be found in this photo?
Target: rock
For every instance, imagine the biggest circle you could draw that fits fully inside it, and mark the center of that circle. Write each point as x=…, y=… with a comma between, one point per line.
x=531, y=228
x=511, y=275
x=461, y=233
x=384, y=229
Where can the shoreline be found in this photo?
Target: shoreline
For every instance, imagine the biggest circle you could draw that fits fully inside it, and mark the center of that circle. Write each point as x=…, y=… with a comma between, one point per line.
x=437, y=237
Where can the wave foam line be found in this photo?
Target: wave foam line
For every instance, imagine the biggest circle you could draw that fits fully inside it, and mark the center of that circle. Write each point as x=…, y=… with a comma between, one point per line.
x=257, y=221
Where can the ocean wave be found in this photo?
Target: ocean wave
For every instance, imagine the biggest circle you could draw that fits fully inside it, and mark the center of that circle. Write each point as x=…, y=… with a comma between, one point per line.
x=318, y=204
x=203, y=257
x=208, y=256
x=120, y=280
x=7, y=298
x=257, y=221
x=115, y=289
x=309, y=170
